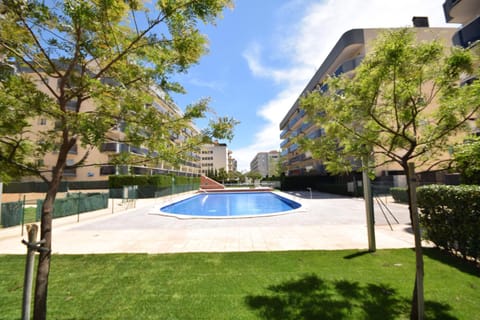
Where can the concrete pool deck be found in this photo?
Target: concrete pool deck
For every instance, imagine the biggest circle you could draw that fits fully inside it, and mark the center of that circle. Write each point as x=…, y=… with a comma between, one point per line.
x=325, y=222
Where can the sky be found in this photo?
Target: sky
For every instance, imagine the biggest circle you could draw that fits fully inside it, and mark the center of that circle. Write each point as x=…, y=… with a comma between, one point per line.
x=262, y=53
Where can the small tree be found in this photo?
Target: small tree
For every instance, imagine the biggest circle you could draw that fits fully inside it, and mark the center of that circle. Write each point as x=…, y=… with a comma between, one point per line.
x=467, y=160
x=222, y=175
x=402, y=105
x=254, y=175
x=115, y=55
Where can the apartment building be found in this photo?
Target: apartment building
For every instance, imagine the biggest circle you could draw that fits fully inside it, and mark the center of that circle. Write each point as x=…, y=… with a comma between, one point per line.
x=232, y=162
x=214, y=156
x=265, y=163
x=94, y=168
x=346, y=55
x=466, y=13
x=189, y=166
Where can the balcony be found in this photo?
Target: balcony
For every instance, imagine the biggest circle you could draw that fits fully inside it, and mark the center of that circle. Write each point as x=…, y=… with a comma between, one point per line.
x=109, y=147
x=348, y=66
x=122, y=147
x=73, y=150
x=70, y=172
x=283, y=134
x=460, y=11
x=107, y=170
x=284, y=143
x=139, y=170
x=468, y=35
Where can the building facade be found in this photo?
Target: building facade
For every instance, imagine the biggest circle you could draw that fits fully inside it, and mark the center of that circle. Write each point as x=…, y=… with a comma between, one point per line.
x=265, y=163
x=232, y=162
x=214, y=156
x=346, y=55
x=467, y=13
x=95, y=168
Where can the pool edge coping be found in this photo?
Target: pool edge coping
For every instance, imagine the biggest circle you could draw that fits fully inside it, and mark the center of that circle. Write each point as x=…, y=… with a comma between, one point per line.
x=156, y=209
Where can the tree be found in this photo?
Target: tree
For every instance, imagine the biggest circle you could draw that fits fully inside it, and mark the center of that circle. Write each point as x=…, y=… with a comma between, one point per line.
x=253, y=175
x=386, y=112
x=222, y=175
x=115, y=55
x=467, y=160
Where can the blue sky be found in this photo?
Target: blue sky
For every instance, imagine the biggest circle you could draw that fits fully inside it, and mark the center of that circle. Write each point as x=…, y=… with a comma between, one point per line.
x=262, y=54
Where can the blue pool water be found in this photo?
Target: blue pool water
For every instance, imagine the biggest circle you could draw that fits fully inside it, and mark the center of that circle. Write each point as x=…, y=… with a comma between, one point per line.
x=231, y=204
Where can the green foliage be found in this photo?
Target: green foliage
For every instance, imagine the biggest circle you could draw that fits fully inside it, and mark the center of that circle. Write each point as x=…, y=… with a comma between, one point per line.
x=385, y=109
x=450, y=217
x=97, y=71
x=16, y=108
x=116, y=55
x=152, y=186
x=140, y=180
x=254, y=175
x=467, y=160
x=399, y=194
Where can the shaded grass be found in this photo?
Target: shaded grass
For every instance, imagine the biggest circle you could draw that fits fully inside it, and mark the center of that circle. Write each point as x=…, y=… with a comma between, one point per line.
x=260, y=285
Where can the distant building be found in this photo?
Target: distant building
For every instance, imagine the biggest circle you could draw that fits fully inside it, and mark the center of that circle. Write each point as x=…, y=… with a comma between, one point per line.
x=232, y=162
x=265, y=163
x=214, y=156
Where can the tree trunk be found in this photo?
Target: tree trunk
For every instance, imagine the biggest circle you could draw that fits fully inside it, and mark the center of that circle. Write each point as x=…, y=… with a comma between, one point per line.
x=417, y=310
x=43, y=269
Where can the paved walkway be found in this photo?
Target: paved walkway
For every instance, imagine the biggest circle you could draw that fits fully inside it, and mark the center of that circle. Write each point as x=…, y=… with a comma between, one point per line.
x=324, y=222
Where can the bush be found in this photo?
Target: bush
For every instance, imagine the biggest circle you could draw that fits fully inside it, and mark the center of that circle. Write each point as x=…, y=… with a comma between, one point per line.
x=399, y=194
x=450, y=217
x=152, y=186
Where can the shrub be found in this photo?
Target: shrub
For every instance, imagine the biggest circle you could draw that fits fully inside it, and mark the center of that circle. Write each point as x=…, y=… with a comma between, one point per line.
x=399, y=194
x=152, y=186
x=450, y=217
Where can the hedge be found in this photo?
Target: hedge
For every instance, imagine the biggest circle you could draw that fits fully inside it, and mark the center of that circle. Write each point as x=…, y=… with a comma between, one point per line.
x=450, y=217
x=399, y=194
x=152, y=186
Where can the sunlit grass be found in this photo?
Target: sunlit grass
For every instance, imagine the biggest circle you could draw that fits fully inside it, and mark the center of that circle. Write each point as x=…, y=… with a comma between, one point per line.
x=260, y=285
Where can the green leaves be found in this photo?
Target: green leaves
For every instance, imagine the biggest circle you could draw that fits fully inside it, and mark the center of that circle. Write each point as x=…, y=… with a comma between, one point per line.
x=467, y=160
x=99, y=71
x=401, y=103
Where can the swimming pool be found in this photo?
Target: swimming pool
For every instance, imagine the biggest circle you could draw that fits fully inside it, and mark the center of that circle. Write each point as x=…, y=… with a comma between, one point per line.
x=231, y=204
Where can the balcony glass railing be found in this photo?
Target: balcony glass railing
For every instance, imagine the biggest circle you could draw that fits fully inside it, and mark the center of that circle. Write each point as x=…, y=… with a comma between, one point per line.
x=348, y=65
x=468, y=35
x=107, y=170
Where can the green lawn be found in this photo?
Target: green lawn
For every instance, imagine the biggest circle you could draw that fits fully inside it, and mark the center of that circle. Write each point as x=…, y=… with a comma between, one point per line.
x=30, y=214
x=261, y=285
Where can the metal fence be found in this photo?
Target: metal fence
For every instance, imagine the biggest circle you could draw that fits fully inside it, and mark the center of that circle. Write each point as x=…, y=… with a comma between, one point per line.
x=12, y=214
x=76, y=203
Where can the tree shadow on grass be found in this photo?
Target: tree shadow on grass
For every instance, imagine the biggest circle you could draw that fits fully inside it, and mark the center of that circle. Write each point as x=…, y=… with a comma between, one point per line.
x=445, y=257
x=312, y=298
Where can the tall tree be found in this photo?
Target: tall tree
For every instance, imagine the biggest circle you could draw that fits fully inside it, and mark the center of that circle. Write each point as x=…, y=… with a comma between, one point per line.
x=402, y=105
x=114, y=55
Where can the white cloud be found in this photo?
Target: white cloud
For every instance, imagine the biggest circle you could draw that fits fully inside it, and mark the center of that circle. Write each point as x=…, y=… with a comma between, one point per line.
x=214, y=85
x=308, y=42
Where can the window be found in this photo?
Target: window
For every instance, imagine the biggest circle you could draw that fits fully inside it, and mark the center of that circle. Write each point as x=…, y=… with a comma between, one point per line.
x=42, y=121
